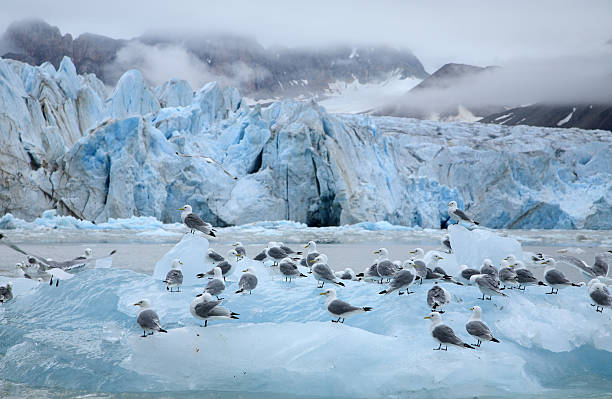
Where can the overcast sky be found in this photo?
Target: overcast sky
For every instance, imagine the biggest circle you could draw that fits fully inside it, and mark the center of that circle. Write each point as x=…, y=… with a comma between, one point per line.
x=484, y=32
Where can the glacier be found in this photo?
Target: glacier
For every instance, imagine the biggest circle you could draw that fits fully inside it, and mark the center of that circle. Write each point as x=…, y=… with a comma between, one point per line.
x=83, y=336
x=70, y=145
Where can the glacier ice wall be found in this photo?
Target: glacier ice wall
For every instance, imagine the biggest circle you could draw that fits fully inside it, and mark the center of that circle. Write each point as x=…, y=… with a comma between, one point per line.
x=67, y=144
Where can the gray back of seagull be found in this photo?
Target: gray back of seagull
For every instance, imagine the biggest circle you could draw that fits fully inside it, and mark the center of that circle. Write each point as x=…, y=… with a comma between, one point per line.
x=324, y=271
x=288, y=269
x=339, y=307
x=215, y=256
x=385, y=268
x=215, y=287
x=525, y=276
x=174, y=276
x=601, y=297
x=600, y=267
x=467, y=273
x=247, y=282
x=276, y=253
x=479, y=329
x=402, y=279
x=446, y=335
x=148, y=319
x=556, y=277
x=436, y=295
x=193, y=221
x=202, y=309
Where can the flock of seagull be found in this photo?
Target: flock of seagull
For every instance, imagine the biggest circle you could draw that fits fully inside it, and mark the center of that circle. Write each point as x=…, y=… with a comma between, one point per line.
x=399, y=277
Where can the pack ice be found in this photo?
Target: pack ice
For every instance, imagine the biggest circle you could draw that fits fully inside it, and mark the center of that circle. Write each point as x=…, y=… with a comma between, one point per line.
x=70, y=145
x=83, y=336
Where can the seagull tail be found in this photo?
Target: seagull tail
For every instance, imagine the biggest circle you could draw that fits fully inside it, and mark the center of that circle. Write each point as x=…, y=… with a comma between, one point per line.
x=212, y=234
x=383, y=292
x=493, y=339
x=235, y=314
x=299, y=252
x=366, y=309
x=359, y=275
x=476, y=223
x=576, y=285
x=200, y=275
x=542, y=283
x=340, y=283
x=303, y=275
x=162, y=330
x=468, y=346
x=240, y=291
x=114, y=251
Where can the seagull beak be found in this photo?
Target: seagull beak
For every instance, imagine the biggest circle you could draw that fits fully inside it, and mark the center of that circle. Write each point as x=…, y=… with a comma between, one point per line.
x=245, y=270
x=234, y=245
x=306, y=246
x=136, y=304
x=472, y=308
x=180, y=262
x=181, y=209
x=427, y=317
x=441, y=257
x=377, y=251
x=412, y=252
x=322, y=293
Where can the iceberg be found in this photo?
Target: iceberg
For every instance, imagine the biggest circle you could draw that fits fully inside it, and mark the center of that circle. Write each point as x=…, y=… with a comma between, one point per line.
x=83, y=335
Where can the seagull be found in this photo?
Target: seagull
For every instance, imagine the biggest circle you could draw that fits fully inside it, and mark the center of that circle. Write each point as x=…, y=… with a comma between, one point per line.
x=443, y=333
x=347, y=274
x=323, y=273
x=239, y=248
x=288, y=250
x=477, y=328
x=420, y=268
x=488, y=268
x=226, y=266
x=340, y=308
x=147, y=319
x=598, y=292
x=487, y=284
x=555, y=278
x=437, y=297
x=174, y=278
x=599, y=268
x=312, y=254
x=508, y=277
x=216, y=286
x=457, y=214
x=48, y=263
x=466, y=273
x=401, y=280
x=524, y=276
x=194, y=222
x=210, y=161
x=418, y=253
x=204, y=307
x=289, y=269
x=445, y=241
x=370, y=274
x=248, y=281
x=384, y=267
x=214, y=257
x=6, y=293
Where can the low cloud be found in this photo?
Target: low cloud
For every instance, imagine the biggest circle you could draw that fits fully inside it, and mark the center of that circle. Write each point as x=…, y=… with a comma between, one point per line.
x=162, y=62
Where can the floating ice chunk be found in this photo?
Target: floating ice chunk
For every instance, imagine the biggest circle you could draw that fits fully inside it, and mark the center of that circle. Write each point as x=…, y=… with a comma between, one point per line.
x=472, y=247
x=191, y=250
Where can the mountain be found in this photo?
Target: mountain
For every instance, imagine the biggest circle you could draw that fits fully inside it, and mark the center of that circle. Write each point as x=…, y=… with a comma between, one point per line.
x=67, y=144
x=444, y=95
x=260, y=73
x=580, y=116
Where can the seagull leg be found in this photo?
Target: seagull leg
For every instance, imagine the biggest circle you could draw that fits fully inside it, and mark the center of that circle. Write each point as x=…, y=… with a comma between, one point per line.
x=167, y=289
x=400, y=293
x=51, y=281
x=489, y=298
x=57, y=282
x=552, y=291
x=445, y=347
x=144, y=334
x=342, y=320
x=439, y=348
x=483, y=298
x=205, y=323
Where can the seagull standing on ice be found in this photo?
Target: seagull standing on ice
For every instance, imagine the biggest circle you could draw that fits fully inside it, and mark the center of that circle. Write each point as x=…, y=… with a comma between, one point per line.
x=6, y=293
x=598, y=292
x=477, y=328
x=194, y=222
x=204, y=307
x=555, y=278
x=401, y=280
x=174, y=278
x=457, y=214
x=248, y=281
x=323, y=273
x=147, y=319
x=443, y=333
x=341, y=309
